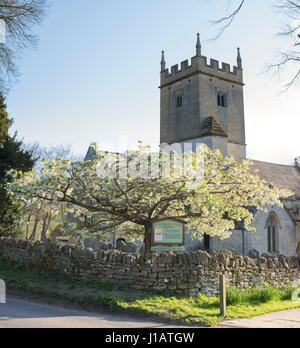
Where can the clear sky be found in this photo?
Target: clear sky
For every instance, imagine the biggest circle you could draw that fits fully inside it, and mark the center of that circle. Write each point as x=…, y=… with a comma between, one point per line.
x=95, y=74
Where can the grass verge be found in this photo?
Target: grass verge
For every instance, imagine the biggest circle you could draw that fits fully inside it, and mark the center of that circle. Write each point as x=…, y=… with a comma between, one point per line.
x=201, y=310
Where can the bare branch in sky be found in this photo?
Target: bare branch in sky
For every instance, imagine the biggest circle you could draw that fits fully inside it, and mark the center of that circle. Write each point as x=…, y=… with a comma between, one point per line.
x=226, y=21
x=18, y=18
x=289, y=59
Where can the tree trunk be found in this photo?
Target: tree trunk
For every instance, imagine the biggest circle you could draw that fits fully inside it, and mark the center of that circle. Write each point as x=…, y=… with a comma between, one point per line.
x=36, y=222
x=44, y=229
x=27, y=227
x=46, y=224
x=148, y=239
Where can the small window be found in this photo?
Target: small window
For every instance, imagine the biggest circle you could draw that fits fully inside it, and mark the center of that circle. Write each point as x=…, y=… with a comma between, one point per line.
x=206, y=242
x=179, y=102
x=222, y=100
x=272, y=235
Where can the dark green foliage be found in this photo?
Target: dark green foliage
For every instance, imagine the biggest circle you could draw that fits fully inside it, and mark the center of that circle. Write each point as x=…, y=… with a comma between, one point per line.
x=12, y=156
x=5, y=122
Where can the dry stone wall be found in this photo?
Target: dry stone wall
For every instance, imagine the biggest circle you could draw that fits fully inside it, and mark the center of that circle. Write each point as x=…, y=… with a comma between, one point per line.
x=189, y=273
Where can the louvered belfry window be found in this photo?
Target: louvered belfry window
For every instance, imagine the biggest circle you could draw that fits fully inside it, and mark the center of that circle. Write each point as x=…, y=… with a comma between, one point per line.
x=222, y=100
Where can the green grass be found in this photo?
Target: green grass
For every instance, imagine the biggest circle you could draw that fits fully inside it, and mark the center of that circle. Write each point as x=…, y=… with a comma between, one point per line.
x=204, y=310
x=201, y=310
x=259, y=295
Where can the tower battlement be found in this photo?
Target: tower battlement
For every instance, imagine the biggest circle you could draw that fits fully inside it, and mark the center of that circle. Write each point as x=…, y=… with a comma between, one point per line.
x=199, y=65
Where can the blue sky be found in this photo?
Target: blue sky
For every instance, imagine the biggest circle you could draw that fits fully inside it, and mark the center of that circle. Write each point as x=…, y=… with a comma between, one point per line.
x=95, y=74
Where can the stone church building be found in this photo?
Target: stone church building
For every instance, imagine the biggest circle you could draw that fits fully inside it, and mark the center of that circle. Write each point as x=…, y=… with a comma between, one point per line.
x=203, y=102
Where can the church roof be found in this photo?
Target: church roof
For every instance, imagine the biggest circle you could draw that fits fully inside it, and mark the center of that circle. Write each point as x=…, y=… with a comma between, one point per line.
x=212, y=127
x=91, y=154
x=282, y=176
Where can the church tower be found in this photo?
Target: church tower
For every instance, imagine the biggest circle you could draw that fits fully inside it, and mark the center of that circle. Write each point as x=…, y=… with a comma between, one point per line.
x=203, y=103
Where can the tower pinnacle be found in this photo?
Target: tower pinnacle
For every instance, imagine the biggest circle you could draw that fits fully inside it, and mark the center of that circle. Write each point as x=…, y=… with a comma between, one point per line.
x=198, y=46
x=163, y=62
x=239, y=59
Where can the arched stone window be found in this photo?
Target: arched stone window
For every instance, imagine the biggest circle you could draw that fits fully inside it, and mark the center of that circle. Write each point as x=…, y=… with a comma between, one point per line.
x=272, y=234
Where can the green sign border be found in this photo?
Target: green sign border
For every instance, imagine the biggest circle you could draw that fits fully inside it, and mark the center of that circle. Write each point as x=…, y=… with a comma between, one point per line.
x=163, y=248
x=157, y=244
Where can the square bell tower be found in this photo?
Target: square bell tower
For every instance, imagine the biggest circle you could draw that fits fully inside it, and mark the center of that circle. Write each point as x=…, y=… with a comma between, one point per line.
x=203, y=102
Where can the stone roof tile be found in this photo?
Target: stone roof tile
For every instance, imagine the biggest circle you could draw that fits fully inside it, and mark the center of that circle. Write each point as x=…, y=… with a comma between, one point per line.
x=212, y=127
x=282, y=176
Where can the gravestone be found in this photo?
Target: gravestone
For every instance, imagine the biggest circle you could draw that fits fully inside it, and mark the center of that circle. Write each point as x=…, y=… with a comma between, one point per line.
x=253, y=253
x=142, y=250
x=131, y=248
x=121, y=245
x=95, y=244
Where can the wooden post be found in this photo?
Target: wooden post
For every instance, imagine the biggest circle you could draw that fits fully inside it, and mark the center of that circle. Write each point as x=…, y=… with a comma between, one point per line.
x=223, y=295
